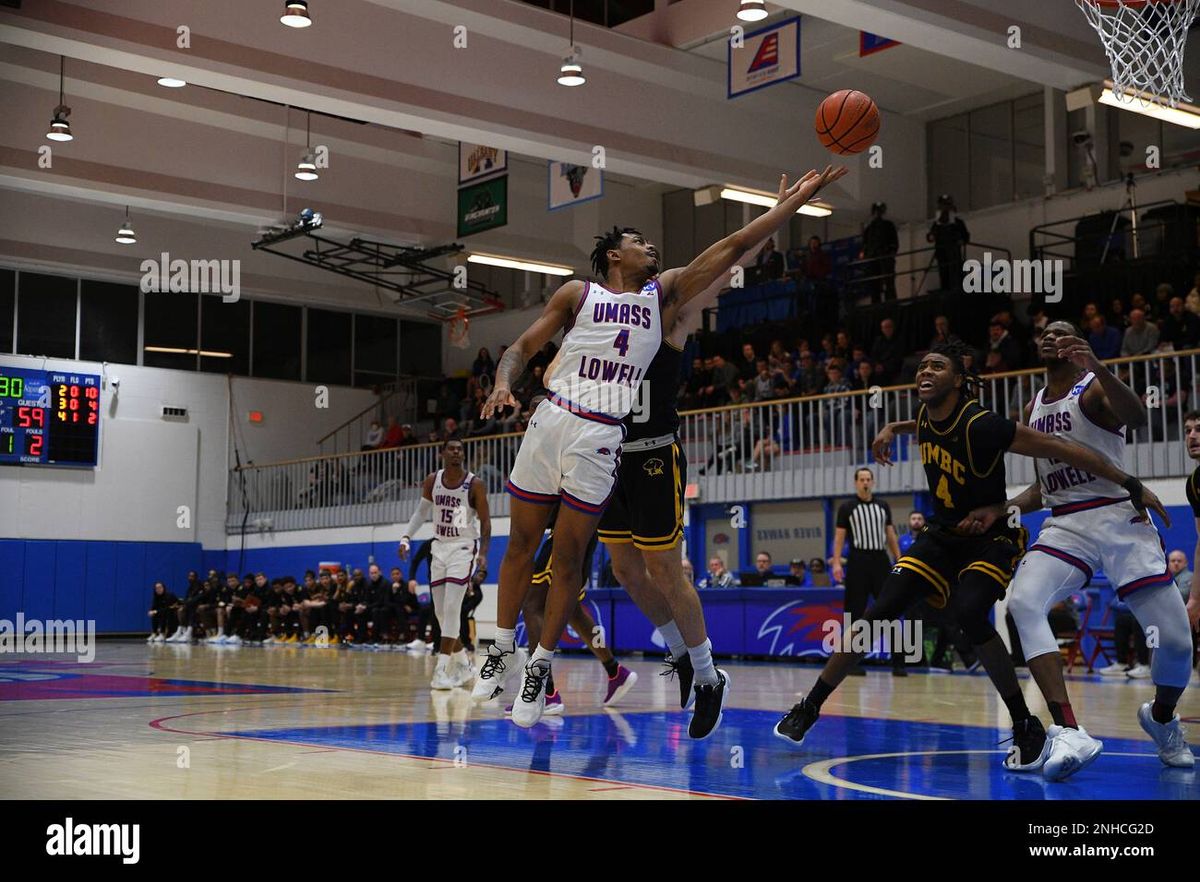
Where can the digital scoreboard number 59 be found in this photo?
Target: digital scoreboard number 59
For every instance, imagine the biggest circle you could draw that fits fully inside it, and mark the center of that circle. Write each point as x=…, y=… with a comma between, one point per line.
x=49, y=417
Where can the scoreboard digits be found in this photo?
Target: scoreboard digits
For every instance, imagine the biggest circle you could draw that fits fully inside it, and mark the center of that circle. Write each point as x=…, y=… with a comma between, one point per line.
x=48, y=417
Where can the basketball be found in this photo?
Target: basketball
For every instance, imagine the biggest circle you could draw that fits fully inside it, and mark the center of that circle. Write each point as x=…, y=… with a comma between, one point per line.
x=847, y=122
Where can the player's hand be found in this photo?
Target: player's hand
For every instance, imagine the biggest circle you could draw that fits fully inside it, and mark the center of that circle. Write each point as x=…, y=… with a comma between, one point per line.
x=412, y=586
x=403, y=550
x=980, y=520
x=1077, y=351
x=838, y=573
x=1143, y=498
x=500, y=398
x=1193, y=612
x=881, y=447
x=481, y=564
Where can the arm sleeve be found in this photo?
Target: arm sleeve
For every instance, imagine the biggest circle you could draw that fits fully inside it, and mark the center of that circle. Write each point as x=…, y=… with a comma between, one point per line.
x=1193, y=492
x=843, y=516
x=420, y=516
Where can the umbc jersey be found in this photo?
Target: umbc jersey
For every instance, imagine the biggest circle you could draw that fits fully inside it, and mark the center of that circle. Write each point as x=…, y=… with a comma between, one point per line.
x=1192, y=490
x=656, y=412
x=963, y=459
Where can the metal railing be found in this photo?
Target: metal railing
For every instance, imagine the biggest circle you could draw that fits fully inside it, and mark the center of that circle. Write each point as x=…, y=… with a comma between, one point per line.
x=771, y=450
x=399, y=399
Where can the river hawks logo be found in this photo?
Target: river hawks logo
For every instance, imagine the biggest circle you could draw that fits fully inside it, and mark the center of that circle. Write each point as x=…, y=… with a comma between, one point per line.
x=653, y=467
x=574, y=175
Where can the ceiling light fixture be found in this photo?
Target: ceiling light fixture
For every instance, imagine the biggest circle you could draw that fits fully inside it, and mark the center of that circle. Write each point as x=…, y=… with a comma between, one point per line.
x=306, y=170
x=532, y=266
x=60, y=129
x=125, y=235
x=571, y=72
x=752, y=10
x=295, y=15
x=172, y=82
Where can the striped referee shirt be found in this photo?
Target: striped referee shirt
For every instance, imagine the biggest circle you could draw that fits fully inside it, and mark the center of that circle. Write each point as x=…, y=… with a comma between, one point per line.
x=866, y=522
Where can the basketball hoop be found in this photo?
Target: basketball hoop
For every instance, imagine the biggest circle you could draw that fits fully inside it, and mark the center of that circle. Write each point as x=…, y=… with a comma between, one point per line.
x=1144, y=40
x=459, y=325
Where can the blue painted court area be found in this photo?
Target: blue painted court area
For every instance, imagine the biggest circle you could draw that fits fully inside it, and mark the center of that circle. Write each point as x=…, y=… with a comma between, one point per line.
x=844, y=757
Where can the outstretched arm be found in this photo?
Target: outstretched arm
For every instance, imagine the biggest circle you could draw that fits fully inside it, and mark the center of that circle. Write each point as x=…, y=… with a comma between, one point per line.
x=559, y=312
x=1110, y=399
x=419, y=517
x=681, y=285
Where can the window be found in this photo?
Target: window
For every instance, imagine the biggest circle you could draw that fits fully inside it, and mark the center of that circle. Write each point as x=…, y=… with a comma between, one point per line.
x=46, y=315
x=276, y=341
x=225, y=328
x=108, y=322
x=420, y=349
x=374, y=349
x=1029, y=146
x=8, y=300
x=328, y=347
x=172, y=331
x=949, y=161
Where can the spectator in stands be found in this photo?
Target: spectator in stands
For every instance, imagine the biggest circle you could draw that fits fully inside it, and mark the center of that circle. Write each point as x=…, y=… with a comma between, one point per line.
x=725, y=377
x=802, y=346
x=718, y=576
x=544, y=356
x=769, y=262
x=1001, y=342
x=810, y=378
x=1163, y=293
x=763, y=386
x=864, y=377
x=393, y=436
x=798, y=574
x=949, y=236
x=1117, y=317
x=1105, y=341
x=941, y=332
x=916, y=523
x=841, y=346
x=529, y=385
x=1177, y=564
x=164, y=616
x=817, y=265
x=858, y=354
x=1141, y=337
x=880, y=245
x=483, y=366
x=1180, y=328
x=374, y=436
x=816, y=568
x=826, y=353
x=838, y=411
x=886, y=354
x=1192, y=303
x=778, y=356
x=689, y=571
x=1138, y=301
x=748, y=365
x=694, y=387
x=766, y=447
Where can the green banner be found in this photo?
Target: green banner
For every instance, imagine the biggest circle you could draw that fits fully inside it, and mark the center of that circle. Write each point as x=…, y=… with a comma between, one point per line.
x=483, y=206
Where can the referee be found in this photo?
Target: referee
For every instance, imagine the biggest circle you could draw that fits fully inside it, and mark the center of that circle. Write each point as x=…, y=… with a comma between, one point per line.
x=872, y=535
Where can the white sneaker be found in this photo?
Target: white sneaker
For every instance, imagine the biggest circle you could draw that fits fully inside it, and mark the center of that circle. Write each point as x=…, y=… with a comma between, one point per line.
x=1116, y=669
x=219, y=637
x=234, y=640
x=442, y=674
x=187, y=635
x=176, y=637
x=528, y=707
x=160, y=638
x=153, y=638
x=417, y=646
x=270, y=641
x=1070, y=751
x=462, y=673
x=1138, y=672
x=1173, y=749
x=497, y=672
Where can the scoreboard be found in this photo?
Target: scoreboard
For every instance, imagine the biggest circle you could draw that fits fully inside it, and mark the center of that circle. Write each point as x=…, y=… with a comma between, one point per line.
x=49, y=417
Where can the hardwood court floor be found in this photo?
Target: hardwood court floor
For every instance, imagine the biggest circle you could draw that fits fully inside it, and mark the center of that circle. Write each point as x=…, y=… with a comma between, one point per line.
x=291, y=722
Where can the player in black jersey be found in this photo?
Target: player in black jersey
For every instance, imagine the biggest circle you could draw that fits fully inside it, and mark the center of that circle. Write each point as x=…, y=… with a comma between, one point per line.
x=962, y=446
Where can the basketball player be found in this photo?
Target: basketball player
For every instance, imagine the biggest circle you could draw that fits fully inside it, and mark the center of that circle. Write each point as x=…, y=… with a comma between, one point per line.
x=571, y=450
x=462, y=529
x=620, y=678
x=1093, y=525
x=962, y=449
x=868, y=523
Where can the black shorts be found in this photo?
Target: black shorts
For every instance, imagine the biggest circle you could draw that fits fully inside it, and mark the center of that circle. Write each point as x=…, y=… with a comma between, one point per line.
x=544, y=562
x=647, y=502
x=941, y=558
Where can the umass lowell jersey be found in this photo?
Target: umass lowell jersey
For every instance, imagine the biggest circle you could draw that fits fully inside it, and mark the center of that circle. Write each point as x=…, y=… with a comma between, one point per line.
x=607, y=350
x=1064, y=417
x=964, y=460
x=453, y=516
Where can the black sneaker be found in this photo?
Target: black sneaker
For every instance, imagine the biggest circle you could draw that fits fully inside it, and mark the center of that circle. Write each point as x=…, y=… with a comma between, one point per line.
x=1030, y=747
x=682, y=668
x=796, y=723
x=709, y=702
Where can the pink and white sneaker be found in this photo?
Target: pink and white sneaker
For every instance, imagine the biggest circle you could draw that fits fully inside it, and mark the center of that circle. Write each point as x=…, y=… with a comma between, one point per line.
x=554, y=705
x=619, y=685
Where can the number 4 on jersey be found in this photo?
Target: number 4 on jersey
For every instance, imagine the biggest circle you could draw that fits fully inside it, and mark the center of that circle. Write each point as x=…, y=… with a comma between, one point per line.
x=943, y=492
x=622, y=342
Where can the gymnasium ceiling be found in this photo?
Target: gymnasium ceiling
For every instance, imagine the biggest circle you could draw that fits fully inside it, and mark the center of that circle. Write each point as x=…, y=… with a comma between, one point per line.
x=391, y=97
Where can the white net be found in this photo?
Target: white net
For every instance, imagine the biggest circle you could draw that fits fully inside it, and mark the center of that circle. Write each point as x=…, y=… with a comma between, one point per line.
x=1144, y=40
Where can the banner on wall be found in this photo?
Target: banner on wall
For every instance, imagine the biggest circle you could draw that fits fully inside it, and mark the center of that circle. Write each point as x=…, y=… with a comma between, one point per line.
x=483, y=206
x=477, y=161
x=789, y=529
x=571, y=184
x=869, y=44
x=765, y=58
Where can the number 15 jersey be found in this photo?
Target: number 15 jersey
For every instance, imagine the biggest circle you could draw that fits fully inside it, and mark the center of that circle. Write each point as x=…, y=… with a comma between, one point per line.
x=607, y=349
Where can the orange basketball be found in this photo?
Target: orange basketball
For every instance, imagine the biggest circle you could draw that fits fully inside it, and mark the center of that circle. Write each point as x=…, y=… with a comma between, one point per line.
x=847, y=122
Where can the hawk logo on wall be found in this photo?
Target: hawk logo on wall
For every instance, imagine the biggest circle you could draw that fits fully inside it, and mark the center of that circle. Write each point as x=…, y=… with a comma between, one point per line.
x=653, y=467
x=574, y=175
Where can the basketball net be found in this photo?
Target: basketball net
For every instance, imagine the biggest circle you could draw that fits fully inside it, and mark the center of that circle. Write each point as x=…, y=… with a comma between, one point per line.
x=1144, y=40
x=459, y=334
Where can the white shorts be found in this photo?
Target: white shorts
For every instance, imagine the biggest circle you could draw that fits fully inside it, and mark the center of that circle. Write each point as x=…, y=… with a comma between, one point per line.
x=567, y=456
x=453, y=561
x=1110, y=537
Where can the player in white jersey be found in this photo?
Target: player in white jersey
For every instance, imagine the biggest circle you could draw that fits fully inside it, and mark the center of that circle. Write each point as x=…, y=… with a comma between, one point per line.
x=462, y=528
x=1093, y=526
x=571, y=449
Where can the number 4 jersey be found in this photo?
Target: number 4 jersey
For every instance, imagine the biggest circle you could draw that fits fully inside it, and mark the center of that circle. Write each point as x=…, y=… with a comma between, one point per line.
x=963, y=458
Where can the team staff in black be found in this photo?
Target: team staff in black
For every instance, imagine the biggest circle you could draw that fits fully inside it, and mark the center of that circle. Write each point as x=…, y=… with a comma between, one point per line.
x=867, y=522
x=163, y=614
x=962, y=448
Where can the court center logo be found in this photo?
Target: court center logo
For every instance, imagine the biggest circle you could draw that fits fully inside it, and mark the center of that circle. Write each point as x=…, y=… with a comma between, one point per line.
x=69, y=839
x=894, y=636
x=181, y=276
x=34, y=636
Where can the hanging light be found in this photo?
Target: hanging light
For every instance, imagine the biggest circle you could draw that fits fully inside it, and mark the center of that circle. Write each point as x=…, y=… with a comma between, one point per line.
x=295, y=14
x=125, y=235
x=752, y=10
x=172, y=82
x=60, y=129
x=571, y=72
x=306, y=170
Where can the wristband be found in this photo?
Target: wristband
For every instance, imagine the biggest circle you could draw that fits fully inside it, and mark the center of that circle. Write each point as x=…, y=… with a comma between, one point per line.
x=1133, y=485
